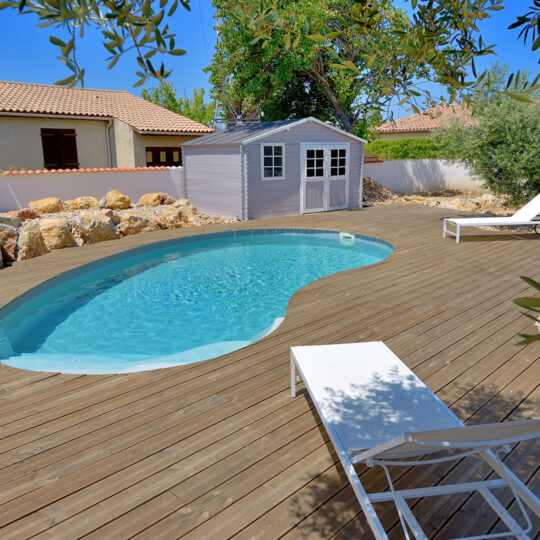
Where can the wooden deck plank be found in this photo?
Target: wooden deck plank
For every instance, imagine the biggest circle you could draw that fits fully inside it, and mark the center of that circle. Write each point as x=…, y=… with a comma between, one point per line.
x=190, y=449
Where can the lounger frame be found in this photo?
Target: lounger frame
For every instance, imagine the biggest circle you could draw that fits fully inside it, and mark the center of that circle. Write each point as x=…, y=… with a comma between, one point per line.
x=366, y=500
x=458, y=225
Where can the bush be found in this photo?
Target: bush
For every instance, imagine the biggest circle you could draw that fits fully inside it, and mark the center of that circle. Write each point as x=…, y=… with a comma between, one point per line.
x=502, y=150
x=413, y=148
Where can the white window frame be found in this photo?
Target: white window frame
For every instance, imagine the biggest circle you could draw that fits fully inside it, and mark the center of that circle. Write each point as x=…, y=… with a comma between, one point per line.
x=270, y=178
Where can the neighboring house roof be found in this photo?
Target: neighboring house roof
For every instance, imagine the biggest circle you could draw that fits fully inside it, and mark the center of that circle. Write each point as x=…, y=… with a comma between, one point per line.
x=143, y=116
x=428, y=120
x=253, y=131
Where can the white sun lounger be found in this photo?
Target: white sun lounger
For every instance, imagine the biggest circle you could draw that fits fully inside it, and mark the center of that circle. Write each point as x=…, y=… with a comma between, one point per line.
x=377, y=412
x=524, y=216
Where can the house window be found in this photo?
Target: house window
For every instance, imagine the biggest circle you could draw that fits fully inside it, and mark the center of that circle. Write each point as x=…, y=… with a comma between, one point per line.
x=160, y=156
x=272, y=161
x=338, y=162
x=59, y=148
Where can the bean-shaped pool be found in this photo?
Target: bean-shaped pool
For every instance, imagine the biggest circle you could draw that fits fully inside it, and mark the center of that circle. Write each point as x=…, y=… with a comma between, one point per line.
x=173, y=302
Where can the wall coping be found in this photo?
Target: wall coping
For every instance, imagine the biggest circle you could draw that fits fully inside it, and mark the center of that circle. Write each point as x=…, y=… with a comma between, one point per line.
x=95, y=170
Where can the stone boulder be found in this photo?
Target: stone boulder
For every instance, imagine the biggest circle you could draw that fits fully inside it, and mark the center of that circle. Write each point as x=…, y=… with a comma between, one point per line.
x=115, y=201
x=31, y=243
x=181, y=202
x=8, y=242
x=23, y=214
x=170, y=218
x=188, y=210
x=46, y=206
x=11, y=221
x=132, y=223
x=80, y=203
x=115, y=217
x=57, y=233
x=155, y=199
x=93, y=228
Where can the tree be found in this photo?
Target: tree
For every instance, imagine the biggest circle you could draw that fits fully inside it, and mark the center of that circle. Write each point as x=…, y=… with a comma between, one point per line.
x=269, y=72
x=195, y=107
x=530, y=303
x=503, y=149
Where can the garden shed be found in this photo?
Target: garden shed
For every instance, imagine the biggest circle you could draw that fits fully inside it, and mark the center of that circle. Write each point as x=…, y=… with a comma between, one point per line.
x=263, y=169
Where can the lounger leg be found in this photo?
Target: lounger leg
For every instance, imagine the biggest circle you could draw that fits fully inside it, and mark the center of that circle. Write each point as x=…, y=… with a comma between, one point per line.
x=293, y=377
x=457, y=234
x=444, y=229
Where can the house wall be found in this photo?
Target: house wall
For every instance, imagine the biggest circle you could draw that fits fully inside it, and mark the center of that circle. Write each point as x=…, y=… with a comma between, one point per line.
x=282, y=197
x=17, y=190
x=213, y=178
x=20, y=141
x=140, y=142
x=416, y=175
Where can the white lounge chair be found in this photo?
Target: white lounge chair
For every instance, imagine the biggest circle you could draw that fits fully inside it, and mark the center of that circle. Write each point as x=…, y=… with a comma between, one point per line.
x=377, y=412
x=524, y=216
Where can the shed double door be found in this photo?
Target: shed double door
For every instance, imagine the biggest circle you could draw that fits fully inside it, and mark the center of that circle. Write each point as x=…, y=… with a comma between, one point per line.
x=325, y=177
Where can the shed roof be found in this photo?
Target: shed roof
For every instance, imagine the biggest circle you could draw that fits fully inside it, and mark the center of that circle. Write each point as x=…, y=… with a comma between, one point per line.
x=252, y=131
x=143, y=116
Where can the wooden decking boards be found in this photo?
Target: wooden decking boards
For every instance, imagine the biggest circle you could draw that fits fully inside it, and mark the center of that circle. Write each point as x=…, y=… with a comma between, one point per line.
x=219, y=449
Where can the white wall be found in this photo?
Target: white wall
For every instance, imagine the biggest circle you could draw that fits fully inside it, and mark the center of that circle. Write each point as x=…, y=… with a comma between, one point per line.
x=414, y=175
x=17, y=190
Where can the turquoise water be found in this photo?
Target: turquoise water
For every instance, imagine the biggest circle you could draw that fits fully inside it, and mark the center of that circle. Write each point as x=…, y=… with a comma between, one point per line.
x=189, y=300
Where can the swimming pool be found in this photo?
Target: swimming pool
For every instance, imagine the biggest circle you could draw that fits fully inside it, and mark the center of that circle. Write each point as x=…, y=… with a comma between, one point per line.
x=173, y=302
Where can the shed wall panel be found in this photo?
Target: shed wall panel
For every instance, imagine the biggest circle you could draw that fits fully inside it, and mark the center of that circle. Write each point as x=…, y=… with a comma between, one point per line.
x=213, y=179
x=268, y=198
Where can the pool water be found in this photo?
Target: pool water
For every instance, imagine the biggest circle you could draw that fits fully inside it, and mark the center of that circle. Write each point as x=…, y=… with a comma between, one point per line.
x=174, y=303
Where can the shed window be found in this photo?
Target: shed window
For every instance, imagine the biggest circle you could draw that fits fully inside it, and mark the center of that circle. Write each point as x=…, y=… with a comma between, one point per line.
x=272, y=161
x=59, y=148
x=163, y=156
x=338, y=162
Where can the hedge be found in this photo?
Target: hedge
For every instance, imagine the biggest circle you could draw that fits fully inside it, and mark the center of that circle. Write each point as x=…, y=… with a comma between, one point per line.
x=413, y=148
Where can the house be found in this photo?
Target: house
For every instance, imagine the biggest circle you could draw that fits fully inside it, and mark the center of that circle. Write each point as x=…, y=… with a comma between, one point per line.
x=425, y=123
x=263, y=169
x=53, y=127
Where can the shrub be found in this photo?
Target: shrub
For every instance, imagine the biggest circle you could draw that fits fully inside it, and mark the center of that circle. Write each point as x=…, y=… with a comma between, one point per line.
x=413, y=148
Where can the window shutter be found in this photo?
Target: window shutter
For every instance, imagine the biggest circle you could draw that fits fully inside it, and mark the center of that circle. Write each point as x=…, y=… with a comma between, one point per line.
x=51, y=154
x=69, y=150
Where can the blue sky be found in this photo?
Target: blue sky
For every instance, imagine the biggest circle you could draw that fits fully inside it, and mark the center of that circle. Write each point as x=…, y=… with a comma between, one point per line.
x=29, y=57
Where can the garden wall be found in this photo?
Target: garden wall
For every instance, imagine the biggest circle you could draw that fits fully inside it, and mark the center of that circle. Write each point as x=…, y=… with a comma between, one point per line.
x=17, y=189
x=416, y=175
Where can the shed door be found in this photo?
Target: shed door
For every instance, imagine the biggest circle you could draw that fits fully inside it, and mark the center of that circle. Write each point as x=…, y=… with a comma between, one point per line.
x=325, y=177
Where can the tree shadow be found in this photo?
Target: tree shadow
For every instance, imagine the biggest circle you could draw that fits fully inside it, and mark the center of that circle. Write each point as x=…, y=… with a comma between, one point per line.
x=327, y=507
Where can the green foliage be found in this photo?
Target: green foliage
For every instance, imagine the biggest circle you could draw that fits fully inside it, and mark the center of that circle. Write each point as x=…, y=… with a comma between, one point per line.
x=413, y=148
x=282, y=77
x=503, y=149
x=195, y=107
x=139, y=25
x=530, y=303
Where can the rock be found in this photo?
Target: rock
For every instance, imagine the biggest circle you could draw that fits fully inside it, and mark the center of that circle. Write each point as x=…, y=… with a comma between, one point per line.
x=181, y=202
x=446, y=204
x=457, y=203
x=189, y=211
x=115, y=201
x=170, y=218
x=11, y=221
x=115, y=218
x=80, y=203
x=31, y=243
x=420, y=198
x=408, y=198
x=94, y=228
x=23, y=214
x=57, y=233
x=46, y=206
x=8, y=242
x=155, y=199
x=132, y=223
x=489, y=197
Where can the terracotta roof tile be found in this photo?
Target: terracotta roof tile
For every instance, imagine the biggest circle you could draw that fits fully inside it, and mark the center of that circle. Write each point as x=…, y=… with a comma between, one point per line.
x=94, y=170
x=428, y=120
x=135, y=111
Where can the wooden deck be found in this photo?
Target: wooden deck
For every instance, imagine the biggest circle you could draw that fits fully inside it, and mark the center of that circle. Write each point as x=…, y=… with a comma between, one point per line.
x=219, y=449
